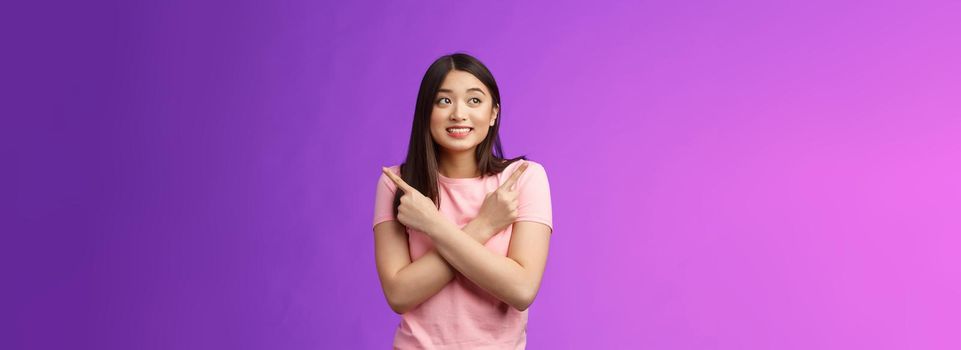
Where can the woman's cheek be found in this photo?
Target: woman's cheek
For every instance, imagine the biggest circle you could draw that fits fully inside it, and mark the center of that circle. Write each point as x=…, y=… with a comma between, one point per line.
x=436, y=134
x=481, y=135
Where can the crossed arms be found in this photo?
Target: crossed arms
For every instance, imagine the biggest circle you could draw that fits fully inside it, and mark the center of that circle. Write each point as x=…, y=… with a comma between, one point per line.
x=513, y=279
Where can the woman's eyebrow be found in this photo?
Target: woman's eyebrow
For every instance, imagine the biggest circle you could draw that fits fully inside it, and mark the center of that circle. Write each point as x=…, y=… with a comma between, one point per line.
x=468, y=90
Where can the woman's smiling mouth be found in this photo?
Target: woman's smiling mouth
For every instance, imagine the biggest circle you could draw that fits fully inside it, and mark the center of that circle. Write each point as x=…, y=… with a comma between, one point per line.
x=459, y=132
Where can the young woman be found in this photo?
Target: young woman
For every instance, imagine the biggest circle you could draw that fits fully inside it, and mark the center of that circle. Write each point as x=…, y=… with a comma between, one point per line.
x=461, y=234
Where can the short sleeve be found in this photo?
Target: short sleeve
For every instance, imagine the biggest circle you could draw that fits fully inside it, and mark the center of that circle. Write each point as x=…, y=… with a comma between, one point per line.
x=384, y=198
x=534, y=196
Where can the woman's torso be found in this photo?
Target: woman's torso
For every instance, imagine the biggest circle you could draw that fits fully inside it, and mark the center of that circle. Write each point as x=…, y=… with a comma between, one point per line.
x=462, y=315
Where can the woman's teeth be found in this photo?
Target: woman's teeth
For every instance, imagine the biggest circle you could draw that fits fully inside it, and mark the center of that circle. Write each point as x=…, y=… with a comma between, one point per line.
x=458, y=130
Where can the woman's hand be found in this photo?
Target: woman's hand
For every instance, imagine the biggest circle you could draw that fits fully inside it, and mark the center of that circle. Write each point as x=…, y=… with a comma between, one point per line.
x=500, y=207
x=416, y=211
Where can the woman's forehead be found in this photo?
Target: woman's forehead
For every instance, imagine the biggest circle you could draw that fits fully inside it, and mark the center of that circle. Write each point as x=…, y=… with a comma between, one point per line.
x=462, y=82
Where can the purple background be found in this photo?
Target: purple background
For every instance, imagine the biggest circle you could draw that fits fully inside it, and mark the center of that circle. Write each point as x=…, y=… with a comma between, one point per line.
x=725, y=175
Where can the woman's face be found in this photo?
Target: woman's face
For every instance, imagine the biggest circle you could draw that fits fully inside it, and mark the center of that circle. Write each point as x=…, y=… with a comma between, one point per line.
x=463, y=113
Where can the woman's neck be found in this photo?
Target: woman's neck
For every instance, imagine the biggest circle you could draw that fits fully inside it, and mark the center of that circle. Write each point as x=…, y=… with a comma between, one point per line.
x=459, y=165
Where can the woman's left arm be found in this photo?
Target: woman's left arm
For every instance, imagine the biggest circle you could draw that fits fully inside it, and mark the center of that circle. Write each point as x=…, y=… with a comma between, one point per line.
x=515, y=278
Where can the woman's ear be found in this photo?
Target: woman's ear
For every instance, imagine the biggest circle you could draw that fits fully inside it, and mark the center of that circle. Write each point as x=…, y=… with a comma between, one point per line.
x=494, y=113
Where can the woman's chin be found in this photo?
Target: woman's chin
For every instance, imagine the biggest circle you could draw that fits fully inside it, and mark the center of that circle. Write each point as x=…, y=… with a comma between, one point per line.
x=458, y=147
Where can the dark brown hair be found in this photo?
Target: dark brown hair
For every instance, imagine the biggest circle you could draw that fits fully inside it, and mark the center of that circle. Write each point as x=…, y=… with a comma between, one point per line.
x=420, y=168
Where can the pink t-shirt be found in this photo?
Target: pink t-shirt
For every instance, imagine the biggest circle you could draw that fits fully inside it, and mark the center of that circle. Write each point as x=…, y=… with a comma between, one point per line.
x=463, y=315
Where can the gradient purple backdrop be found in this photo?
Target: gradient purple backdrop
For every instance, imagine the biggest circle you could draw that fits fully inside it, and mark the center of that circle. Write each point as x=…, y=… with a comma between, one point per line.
x=725, y=175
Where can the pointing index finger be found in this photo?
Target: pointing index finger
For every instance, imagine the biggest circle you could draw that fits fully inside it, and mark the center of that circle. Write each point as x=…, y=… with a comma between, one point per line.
x=516, y=175
x=397, y=180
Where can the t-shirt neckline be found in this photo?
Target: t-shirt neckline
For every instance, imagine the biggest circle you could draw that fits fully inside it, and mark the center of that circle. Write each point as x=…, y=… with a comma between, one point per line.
x=460, y=180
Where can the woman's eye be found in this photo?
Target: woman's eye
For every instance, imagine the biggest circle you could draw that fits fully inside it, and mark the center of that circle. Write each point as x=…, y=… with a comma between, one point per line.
x=443, y=100
x=475, y=100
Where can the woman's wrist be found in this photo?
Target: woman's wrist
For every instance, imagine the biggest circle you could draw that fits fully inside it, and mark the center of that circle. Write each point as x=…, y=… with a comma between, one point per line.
x=479, y=228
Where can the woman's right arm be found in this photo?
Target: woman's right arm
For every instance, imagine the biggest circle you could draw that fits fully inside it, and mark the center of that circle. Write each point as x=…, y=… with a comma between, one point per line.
x=408, y=283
